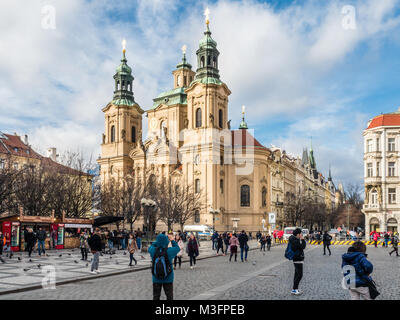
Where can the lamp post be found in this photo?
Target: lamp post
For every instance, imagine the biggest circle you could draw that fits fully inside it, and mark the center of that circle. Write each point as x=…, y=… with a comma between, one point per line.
x=147, y=205
x=214, y=212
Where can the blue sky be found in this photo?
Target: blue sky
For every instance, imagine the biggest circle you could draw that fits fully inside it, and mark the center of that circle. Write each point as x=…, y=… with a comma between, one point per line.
x=293, y=65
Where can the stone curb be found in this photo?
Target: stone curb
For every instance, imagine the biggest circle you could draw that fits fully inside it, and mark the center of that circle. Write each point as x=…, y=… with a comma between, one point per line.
x=110, y=274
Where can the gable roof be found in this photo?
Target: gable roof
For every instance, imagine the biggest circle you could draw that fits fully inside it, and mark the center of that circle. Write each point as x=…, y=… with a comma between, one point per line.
x=242, y=138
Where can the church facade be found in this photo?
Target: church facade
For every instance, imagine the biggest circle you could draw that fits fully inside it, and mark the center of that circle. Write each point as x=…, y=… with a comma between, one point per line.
x=189, y=137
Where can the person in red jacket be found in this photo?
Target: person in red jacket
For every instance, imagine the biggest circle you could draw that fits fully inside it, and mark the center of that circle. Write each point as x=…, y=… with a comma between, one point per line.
x=376, y=237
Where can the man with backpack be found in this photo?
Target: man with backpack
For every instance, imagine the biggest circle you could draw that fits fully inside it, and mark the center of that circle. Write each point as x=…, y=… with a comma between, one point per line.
x=95, y=247
x=161, y=266
x=244, y=247
x=295, y=252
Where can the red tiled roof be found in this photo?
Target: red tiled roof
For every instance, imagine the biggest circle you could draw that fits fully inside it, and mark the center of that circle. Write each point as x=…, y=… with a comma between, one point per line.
x=13, y=145
x=243, y=138
x=390, y=119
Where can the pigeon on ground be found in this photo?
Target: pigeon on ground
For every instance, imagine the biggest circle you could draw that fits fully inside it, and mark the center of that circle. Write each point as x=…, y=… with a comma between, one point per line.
x=26, y=270
x=30, y=260
x=7, y=255
x=60, y=255
x=72, y=250
x=110, y=257
x=69, y=254
x=254, y=263
x=19, y=259
x=76, y=261
x=47, y=255
x=124, y=253
x=2, y=260
x=11, y=255
x=87, y=264
x=39, y=265
x=116, y=262
x=142, y=257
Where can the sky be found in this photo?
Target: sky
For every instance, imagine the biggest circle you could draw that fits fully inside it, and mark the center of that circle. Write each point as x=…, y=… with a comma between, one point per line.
x=302, y=68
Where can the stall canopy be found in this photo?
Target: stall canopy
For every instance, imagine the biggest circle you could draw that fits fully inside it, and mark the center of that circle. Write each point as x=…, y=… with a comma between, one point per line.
x=100, y=221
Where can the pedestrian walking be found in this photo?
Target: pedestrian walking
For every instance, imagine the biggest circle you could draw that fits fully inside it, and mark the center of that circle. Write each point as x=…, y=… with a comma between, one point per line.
x=226, y=241
x=376, y=237
x=84, y=245
x=30, y=240
x=357, y=258
x=139, y=235
x=263, y=241
x=244, y=248
x=386, y=240
x=214, y=238
x=192, y=250
x=54, y=236
x=233, y=245
x=3, y=242
x=161, y=267
x=95, y=248
x=326, y=239
x=132, y=248
x=220, y=244
x=41, y=238
x=395, y=244
x=295, y=248
x=268, y=239
x=181, y=245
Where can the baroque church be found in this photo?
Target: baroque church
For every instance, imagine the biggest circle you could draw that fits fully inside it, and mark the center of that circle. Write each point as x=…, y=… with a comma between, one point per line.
x=189, y=137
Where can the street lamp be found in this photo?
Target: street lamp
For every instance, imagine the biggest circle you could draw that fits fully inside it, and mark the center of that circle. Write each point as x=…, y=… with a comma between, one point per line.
x=148, y=204
x=214, y=212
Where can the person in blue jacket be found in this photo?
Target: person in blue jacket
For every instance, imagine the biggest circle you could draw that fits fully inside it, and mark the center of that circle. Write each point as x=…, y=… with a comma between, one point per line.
x=357, y=258
x=162, y=242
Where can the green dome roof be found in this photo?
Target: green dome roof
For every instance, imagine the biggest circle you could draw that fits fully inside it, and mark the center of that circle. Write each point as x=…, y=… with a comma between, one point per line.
x=207, y=41
x=124, y=68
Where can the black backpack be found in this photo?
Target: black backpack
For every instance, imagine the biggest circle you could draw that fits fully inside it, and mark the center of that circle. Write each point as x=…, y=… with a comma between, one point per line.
x=160, y=266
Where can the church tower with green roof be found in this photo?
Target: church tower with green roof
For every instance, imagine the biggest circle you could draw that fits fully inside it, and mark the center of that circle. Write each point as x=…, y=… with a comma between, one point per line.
x=123, y=125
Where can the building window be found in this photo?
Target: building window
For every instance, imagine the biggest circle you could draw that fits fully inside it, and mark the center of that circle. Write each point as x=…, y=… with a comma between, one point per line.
x=391, y=144
x=377, y=144
x=378, y=164
x=221, y=186
x=112, y=134
x=374, y=197
x=264, y=197
x=221, y=160
x=369, y=145
x=133, y=134
x=2, y=162
x=245, y=196
x=16, y=165
x=369, y=170
x=202, y=62
x=198, y=118
x=197, y=186
x=185, y=81
x=197, y=216
x=178, y=81
x=392, y=195
x=220, y=118
x=391, y=169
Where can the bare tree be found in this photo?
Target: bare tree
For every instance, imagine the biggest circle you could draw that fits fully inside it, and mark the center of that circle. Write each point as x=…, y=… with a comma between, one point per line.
x=8, y=178
x=131, y=195
x=294, y=208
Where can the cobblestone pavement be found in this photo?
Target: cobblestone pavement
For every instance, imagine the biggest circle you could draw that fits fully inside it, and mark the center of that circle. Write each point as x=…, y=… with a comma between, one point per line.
x=21, y=271
x=265, y=276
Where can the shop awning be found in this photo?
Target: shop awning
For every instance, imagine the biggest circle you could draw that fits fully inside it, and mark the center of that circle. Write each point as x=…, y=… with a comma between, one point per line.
x=102, y=220
x=78, y=226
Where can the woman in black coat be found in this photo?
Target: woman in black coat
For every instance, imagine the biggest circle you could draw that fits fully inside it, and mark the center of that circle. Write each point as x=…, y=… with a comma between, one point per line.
x=192, y=250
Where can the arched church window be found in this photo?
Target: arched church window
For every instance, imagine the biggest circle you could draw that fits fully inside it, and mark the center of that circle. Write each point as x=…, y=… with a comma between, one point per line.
x=112, y=134
x=208, y=60
x=185, y=81
x=117, y=88
x=162, y=126
x=198, y=118
x=215, y=62
x=178, y=81
x=202, y=62
x=123, y=84
x=245, y=196
x=220, y=118
x=133, y=134
x=129, y=86
x=197, y=186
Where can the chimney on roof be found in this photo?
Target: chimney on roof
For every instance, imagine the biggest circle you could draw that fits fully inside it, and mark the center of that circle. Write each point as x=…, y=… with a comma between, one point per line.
x=52, y=154
x=26, y=139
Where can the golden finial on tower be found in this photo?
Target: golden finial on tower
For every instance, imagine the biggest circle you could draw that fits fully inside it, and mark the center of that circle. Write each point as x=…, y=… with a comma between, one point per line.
x=123, y=46
x=243, y=110
x=207, y=14
x=184, y=47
